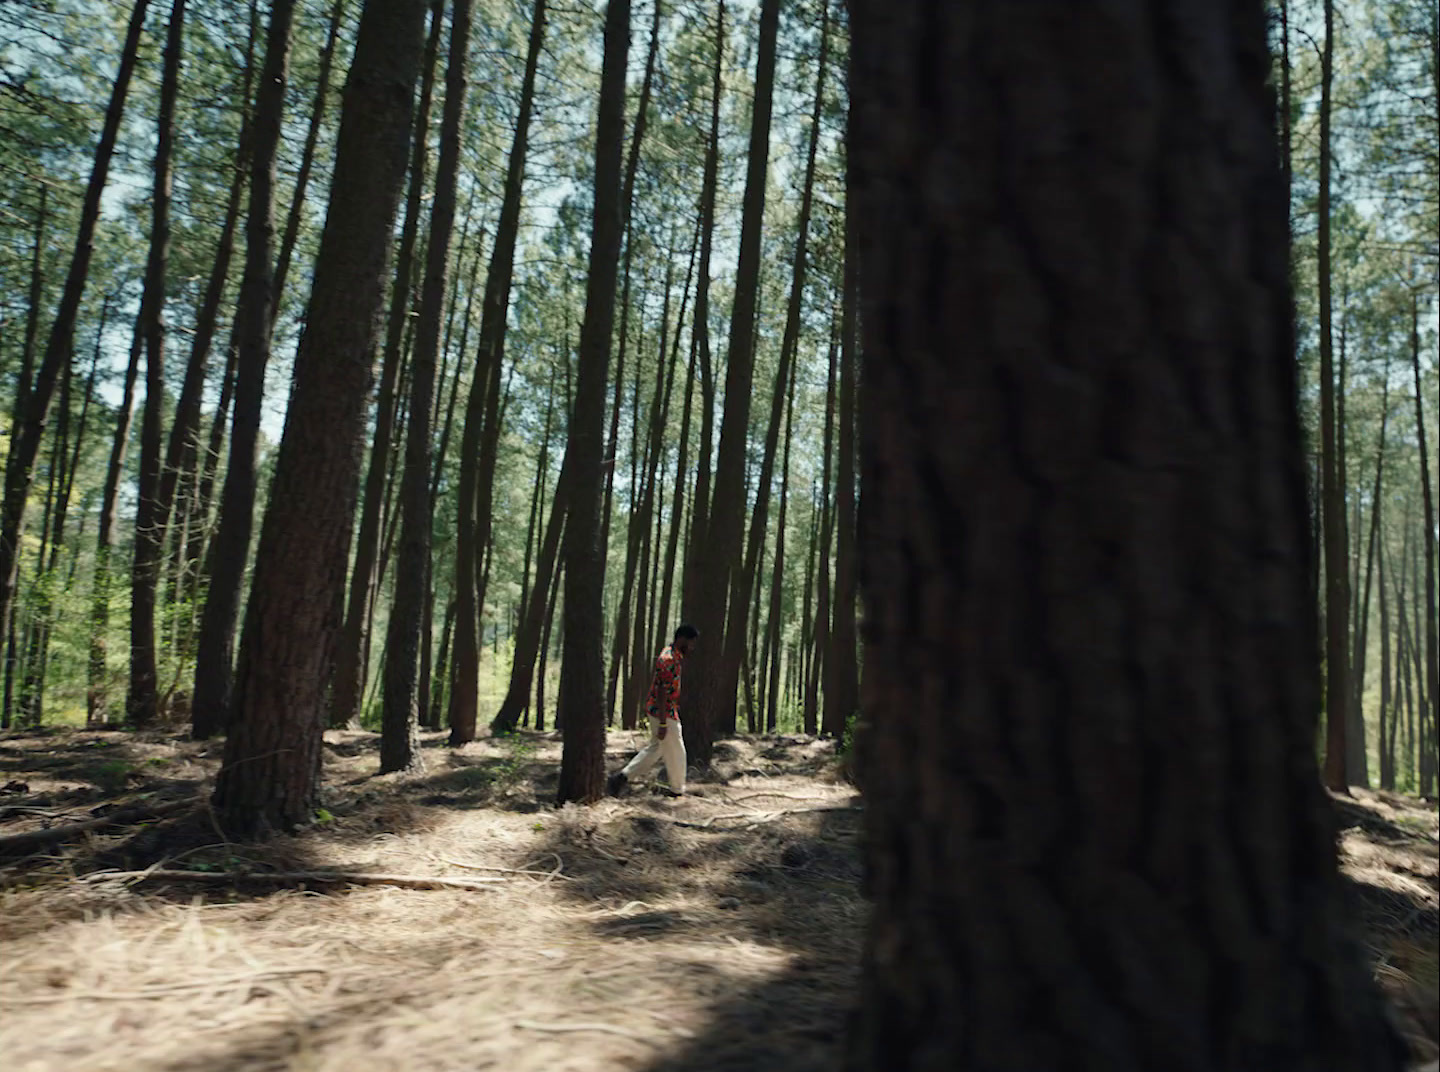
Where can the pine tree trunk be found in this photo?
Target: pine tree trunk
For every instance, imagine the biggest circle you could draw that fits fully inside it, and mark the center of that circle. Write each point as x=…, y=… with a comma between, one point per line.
x=271, y=770
x=142, y=703
x=821, y=638
x=582, y=669
x=1332, y=494
x=777, y=582
x=842, y=682
x=399, y=737
x=677, y=508
x=549, y=615
x=1362, y=621
x=318, y=108
x=480, y=439
x=353, y=642
x=707, y=704
x=26, y=435
x=1085, y=682
x=700, y=501
x=1387, y=736
x=97, y=678
x=743, y=580
x=212, y=708
x=1432, y=617
x=32, y=311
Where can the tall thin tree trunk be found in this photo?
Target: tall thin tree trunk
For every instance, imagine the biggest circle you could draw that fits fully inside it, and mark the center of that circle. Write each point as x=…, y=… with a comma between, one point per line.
x=1332, y=494
x=97, y=678
x=141, y=705
x=821, y=636
x=743, y=581
x=399, y=738
x=1387, y=733
x=706, y=704
x=582, y=669
x=352, y=645
x=771, y=658
x=842, y=681
x=480, y=440
x=271, y=770
x=1362, y=620
x=549, y=616
x=700, y=501
x=1089, y=631
x=32, y=312
x=27, y=433
x=1432, y=617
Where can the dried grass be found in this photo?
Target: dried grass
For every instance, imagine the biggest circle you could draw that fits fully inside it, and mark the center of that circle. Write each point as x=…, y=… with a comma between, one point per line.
x=707, y=933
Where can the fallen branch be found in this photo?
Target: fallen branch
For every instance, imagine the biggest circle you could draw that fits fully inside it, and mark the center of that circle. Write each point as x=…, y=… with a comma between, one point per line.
x=555, y=873
x=607, y=1029
x=761, y=817
x=30, y=840
x=167, y=989
x=288, y=878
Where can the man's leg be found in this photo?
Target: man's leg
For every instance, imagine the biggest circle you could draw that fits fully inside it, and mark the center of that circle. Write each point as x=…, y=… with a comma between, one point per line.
x=646, y=758
x=673, y=748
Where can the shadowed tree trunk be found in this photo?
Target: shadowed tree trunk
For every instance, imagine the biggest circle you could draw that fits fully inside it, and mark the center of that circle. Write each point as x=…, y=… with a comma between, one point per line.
x=1362, y=621
x=1432, y=621
x=32, y=312
x=272, y=755
x=26, y=435
x=821, y=637
x=1086, y=684
x=744, y=580
x=255, y=320
x=582, y=669
x=706, y=704
x=97, y=677
x=480, y=440
x=1387, y=735
x=399, y=737
x=842, y=682
x=141, y=705
x=352, y=644
x=700, y=501
x=770, y=676
x=1332, y=494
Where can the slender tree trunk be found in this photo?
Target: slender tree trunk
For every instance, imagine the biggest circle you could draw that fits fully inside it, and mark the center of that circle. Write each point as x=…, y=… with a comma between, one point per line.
x=743, y=580
x=700, y=501
x=1387, y=736
x=1356, y=763
x=677, y=507
x=1332, y=495
x=32, y=312
x=480, y=439
x=706, y=704
x=549, y=616
x=399, y=738
x=1432, y=617
x=212, y=708
x=141, y=705
x=822, y=565
x=842, y=682
x=1084, y=682
x=353, y=643
x=271, y=770
x=807, y=619
x=97, y=679
x=1362, y=620
x=26, y=435
x=582, y=670
x=771, y=658
x=318, y=108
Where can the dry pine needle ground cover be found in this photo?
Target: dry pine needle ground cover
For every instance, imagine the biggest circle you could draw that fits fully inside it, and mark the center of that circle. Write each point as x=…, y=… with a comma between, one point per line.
x=715, y=932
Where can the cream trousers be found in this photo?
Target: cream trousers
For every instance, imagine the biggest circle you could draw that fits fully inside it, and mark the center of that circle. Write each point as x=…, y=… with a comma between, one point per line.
x=671, y=749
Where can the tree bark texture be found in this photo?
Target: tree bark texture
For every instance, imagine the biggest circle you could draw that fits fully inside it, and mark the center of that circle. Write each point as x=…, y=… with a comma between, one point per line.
x=272, y=755
x=141, y=705
x=582, y=670
x=211, y=709
x=399, y=737
x=1097, y=836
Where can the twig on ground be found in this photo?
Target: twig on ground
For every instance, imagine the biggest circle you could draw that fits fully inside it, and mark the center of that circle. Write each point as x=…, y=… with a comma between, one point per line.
x=556, y=873
x=22, y=844
x=608, y=1029
x=758, y=818
x=286, y=878
x=167, y=989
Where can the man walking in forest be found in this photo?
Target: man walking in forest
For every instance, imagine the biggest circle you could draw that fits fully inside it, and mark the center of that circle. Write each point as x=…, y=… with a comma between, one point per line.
x=662, y=705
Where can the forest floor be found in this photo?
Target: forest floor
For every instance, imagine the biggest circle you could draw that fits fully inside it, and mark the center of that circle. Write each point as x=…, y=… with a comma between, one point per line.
x=716, y=932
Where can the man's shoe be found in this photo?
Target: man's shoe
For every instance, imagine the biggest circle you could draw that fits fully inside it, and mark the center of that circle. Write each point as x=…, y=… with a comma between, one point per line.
x=616, y=784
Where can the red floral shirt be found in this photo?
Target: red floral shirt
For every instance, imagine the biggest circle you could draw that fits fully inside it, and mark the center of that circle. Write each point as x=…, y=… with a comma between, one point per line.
x=664, y=699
